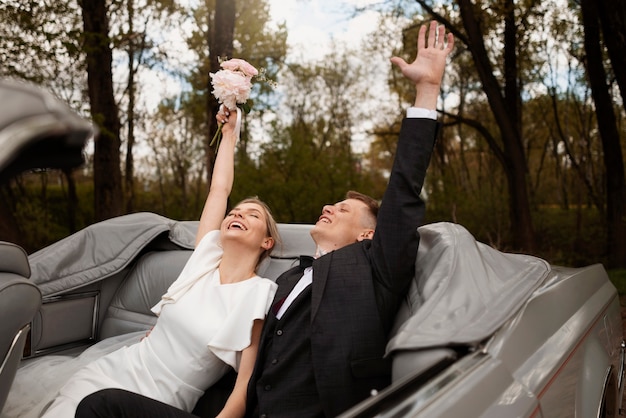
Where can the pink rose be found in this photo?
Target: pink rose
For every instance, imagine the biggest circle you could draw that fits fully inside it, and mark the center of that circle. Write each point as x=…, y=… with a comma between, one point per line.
x=236, y=64
x=230, y=87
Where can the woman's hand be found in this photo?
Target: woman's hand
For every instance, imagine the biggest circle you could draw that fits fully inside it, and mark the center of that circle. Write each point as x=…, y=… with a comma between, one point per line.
x=228, y=120
x=147, y=333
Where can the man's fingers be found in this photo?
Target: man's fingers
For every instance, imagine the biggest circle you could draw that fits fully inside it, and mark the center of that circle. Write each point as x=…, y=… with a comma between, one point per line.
x=432, y=34
x=450, y=42
x=421, y=38
x=441, y=37
x=399, y=62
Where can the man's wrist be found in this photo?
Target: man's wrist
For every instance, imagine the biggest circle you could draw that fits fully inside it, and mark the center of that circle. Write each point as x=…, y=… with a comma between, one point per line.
x=420, y=112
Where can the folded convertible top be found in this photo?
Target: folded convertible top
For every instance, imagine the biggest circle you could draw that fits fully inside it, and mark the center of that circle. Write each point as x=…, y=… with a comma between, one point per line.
x=103, y=249
x=463, y=290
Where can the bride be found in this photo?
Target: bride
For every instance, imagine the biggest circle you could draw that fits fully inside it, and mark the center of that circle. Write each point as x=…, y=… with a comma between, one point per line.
x=211, y=317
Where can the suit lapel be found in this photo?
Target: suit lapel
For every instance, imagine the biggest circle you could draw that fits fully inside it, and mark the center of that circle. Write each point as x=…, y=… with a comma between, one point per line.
x=320, y=276
x=288, y=282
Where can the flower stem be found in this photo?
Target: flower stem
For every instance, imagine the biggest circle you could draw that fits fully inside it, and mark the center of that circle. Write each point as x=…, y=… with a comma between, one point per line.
x=217, y=137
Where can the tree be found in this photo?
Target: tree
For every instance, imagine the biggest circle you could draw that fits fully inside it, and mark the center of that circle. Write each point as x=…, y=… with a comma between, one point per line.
x=135, y=23
x=104, y=110
x=504, y=100
x=509, y=51
x=310, y=159
x=40, y=43
x=177, y=158
x=221, y=34
x=611, y=18
x=253, y=40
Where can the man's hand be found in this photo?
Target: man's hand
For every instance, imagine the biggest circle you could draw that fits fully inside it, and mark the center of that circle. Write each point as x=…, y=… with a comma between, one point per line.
x=426, y=71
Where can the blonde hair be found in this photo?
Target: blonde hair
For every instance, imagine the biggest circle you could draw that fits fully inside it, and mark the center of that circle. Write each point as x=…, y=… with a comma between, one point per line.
x=270, y=224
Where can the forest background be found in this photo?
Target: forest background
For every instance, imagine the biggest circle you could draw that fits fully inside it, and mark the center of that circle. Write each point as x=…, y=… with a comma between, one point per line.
x=530, y=157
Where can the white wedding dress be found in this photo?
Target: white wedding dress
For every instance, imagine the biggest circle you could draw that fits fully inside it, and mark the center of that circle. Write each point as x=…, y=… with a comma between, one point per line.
x=202, y=329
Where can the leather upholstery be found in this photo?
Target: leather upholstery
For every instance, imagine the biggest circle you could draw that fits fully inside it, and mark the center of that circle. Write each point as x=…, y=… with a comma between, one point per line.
x=19, y=301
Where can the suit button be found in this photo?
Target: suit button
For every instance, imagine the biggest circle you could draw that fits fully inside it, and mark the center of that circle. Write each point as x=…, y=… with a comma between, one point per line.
x=279, y=332
x=274, y=361
x=263, y=416
x=268, y=387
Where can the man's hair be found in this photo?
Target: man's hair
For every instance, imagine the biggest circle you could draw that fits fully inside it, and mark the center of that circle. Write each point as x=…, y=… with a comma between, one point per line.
x=372, y=207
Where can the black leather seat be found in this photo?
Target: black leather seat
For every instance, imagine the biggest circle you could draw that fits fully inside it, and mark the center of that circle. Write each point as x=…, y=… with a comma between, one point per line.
x=19, y=302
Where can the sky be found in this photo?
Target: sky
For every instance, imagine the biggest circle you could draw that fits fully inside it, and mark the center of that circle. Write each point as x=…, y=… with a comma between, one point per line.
x=312, y=24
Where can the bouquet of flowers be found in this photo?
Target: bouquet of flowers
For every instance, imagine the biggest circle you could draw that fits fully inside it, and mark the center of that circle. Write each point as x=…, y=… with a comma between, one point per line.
x=231, y=88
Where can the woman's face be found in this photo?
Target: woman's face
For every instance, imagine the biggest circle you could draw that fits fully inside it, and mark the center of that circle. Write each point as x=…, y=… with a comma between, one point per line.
x=247, y=222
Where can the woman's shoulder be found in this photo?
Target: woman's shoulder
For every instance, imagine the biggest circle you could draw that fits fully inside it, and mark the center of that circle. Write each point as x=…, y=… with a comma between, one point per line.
x=264, y=281
x=264, y=286
x=210, y=238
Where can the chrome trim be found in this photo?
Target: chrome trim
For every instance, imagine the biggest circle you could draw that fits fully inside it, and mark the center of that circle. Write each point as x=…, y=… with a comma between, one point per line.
x=605, y=386
x=70, y=296
x=620, y=377
x=432, y=390
x=57, y=348
x=426, y=394
x=22, y=330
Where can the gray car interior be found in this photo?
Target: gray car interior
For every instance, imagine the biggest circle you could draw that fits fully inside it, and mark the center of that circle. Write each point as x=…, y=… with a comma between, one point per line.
x=103, y=280
x=20, y=299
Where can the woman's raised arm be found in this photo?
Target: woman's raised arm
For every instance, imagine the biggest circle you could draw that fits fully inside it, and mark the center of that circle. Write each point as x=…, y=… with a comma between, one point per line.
x=223, y=176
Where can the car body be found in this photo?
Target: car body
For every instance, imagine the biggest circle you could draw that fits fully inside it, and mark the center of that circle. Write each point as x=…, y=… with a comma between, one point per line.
x=482, y=333
x=38, y=131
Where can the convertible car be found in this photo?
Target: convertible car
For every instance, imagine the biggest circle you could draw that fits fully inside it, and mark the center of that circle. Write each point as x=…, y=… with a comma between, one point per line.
x=481, y=333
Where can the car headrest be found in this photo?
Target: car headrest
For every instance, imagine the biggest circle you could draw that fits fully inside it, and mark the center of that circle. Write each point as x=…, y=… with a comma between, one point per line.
x=296, y=241
x=13, y=259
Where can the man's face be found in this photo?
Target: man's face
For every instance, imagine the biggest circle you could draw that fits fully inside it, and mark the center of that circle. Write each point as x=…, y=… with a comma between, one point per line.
x=341, y=224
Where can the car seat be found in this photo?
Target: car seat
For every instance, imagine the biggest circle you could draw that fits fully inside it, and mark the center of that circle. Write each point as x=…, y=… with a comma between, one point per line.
x=19, y=301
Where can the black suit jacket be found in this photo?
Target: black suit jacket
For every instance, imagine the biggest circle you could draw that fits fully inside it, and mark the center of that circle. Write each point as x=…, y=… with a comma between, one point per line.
x=357, y=289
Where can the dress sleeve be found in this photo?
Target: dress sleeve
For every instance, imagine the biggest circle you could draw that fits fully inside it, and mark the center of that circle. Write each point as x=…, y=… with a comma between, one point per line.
x=205, y=258
x=235, y=332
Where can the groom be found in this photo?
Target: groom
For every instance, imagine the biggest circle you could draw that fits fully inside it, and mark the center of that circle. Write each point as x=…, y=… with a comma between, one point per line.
x=323, y=343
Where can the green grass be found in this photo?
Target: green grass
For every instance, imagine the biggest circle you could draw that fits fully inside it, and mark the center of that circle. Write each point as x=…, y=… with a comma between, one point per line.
x=618, y=277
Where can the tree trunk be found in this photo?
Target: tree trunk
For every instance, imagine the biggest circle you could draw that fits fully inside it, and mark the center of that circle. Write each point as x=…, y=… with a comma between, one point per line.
x=129, y=168
x=72, y=200
x=506, y=113
x=612, y=15
x=107, y=172
x=609, y=133
x=221, y=35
